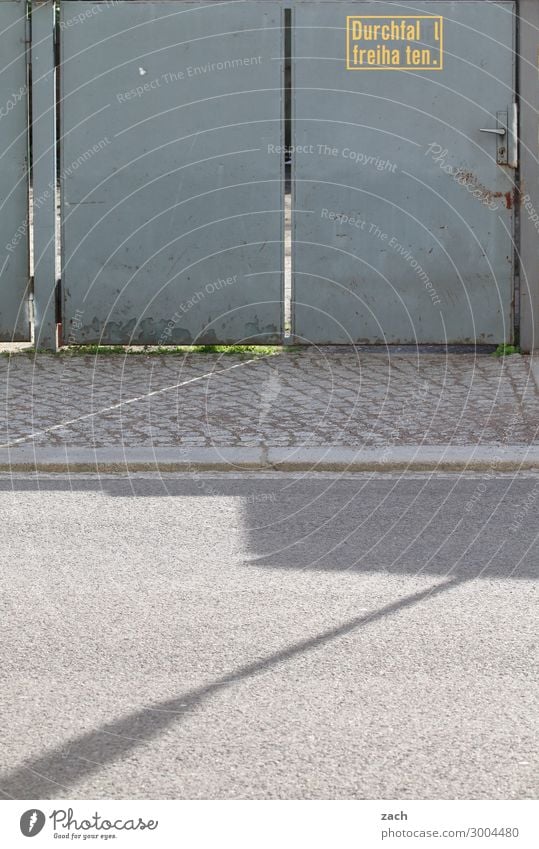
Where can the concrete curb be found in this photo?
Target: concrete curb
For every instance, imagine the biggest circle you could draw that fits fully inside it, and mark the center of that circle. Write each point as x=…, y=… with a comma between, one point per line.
x=329, y=458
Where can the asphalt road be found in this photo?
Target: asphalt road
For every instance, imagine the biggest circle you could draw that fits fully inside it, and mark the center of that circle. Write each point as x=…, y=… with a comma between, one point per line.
x=269, y=636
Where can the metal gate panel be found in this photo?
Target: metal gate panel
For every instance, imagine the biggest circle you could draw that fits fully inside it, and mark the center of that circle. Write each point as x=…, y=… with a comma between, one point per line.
x=402, y=223
x=171, y=176
x=14, y=264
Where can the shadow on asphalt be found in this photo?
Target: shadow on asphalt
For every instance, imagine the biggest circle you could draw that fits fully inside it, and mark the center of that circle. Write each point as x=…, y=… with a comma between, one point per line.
x=407, y=525
x=58, y=770
x=469, y=526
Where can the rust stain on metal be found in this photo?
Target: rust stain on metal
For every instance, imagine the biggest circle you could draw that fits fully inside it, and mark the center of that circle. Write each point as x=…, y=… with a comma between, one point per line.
x=468, y=178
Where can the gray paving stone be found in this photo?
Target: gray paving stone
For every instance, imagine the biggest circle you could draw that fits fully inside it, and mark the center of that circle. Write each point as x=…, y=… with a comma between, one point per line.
x=309, y=399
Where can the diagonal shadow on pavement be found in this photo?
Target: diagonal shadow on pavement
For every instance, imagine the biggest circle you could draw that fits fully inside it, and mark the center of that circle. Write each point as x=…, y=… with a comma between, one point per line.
x=56, y=772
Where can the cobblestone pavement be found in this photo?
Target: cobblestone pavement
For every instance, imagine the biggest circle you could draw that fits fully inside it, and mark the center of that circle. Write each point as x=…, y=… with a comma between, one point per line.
x=309, y=398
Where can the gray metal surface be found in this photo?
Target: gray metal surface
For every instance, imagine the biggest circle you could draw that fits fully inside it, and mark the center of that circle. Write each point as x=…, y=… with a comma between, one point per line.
x=171, y=194
x=44, y=174
x=395, y=240
x=529, y=152
x=14, y=268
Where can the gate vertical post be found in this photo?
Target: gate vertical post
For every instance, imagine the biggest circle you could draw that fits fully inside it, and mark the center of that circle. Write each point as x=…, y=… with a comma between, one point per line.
x=44, y=173
x=529, y=174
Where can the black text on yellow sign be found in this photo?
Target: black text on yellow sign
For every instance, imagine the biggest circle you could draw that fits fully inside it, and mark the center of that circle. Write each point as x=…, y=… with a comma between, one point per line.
x=403, y=43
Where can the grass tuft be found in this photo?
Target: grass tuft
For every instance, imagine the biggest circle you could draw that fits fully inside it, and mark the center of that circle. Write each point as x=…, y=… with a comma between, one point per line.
x=157, y=351
x=505, y=350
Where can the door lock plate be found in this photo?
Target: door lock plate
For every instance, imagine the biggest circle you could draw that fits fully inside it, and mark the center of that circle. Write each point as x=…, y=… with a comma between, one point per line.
x=502, y=142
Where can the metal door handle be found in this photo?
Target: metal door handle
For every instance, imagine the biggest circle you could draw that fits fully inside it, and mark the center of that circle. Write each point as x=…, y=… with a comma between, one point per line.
x=499, y=131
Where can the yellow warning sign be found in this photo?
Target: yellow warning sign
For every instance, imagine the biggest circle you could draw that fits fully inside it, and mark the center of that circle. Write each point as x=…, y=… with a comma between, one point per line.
x=402, y=43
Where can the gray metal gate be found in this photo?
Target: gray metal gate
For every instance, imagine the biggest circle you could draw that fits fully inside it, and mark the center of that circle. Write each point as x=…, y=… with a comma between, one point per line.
x=172, y=119
x=403, y=175
x=171, y=172
x=14, y=259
